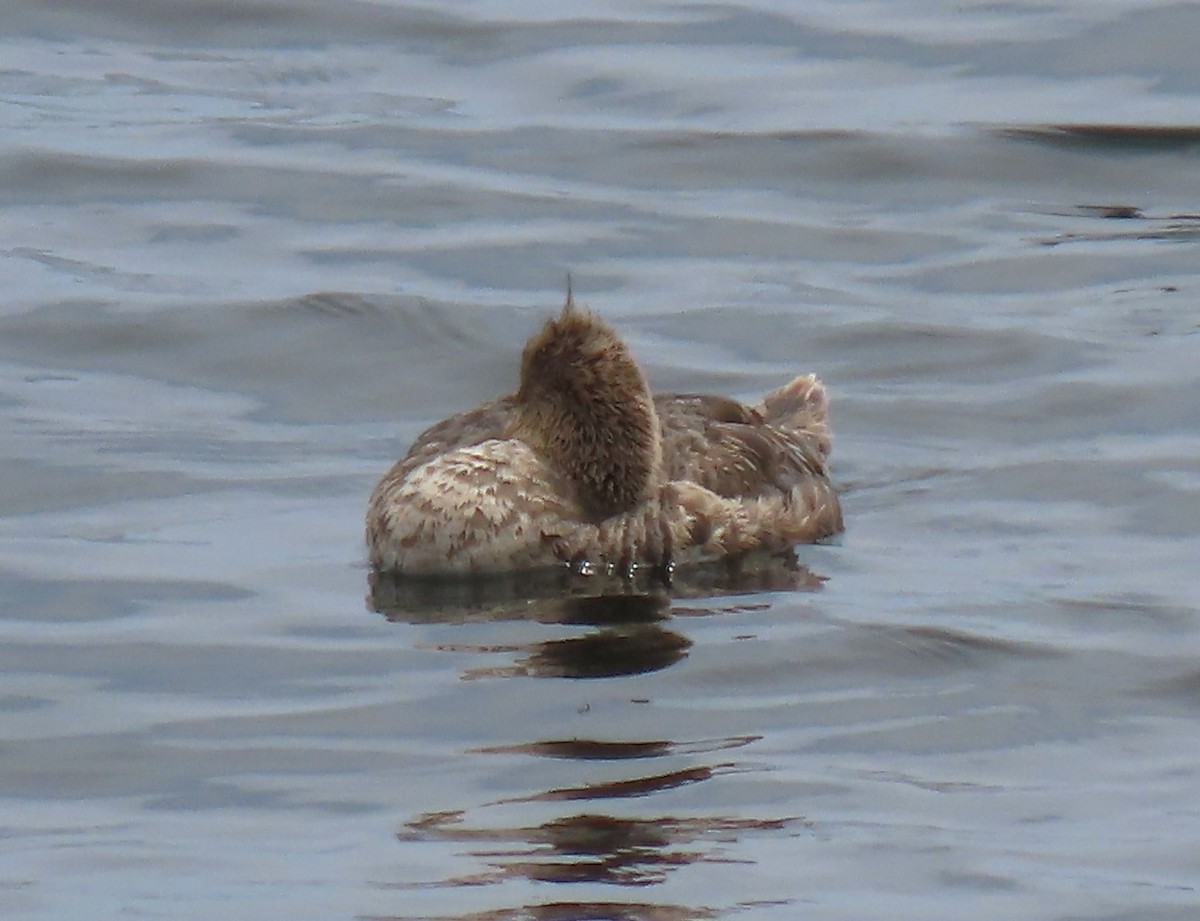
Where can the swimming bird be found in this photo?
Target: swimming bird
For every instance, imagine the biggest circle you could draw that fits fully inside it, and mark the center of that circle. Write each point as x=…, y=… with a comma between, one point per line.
x=582, y=466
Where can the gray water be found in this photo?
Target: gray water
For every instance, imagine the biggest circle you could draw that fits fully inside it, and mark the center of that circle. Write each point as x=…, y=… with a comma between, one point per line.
x=249, y=249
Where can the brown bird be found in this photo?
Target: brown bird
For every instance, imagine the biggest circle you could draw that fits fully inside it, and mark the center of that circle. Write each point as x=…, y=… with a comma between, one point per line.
x=582, y=466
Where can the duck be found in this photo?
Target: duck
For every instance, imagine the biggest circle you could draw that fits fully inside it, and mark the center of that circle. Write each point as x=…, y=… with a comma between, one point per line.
x=583, y=467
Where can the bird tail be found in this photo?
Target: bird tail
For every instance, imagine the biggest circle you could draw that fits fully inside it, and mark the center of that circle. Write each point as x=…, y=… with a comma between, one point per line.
x=800, y=406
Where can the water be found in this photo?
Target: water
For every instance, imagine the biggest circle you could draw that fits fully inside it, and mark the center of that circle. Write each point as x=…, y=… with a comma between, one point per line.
x=250, y=250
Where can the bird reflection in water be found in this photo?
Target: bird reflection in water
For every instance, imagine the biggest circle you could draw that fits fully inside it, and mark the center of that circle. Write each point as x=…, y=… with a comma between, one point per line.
x=629, y=614
x=628, y=639
x=541, y=594
x=576, y=911
x=632, y=631
x=588, y=847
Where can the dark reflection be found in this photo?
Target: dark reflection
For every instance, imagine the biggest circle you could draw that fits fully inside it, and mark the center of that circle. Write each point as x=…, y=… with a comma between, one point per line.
x=607, y=653
x=629, y=613
x=629, y=640
x=1180, y=228
x=602, y=654
x=588, y=847
x=624, y=789
x=1123, y=222
x=1152, y=138
x=593, y=750
x=579, y=911
x=545, y=596
x=1114, y=212
x=564, y=596
x=614, y=627
x=591, y=847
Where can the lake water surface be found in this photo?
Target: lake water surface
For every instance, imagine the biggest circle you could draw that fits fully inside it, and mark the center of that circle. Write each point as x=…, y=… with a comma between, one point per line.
x=249, y=249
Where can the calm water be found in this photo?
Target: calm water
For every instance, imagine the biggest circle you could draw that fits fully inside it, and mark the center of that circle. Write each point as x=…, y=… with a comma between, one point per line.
x=249, y=249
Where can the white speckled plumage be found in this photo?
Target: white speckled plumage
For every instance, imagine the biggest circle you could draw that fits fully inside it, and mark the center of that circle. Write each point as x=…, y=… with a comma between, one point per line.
x=582, y=465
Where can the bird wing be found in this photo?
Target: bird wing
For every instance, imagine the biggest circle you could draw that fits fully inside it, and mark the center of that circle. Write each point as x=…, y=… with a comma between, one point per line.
x=729, y=448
